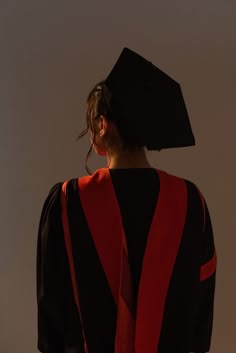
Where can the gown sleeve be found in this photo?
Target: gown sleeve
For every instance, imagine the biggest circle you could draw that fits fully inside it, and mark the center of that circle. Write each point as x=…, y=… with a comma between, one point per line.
x=59, y=328
x=205, y=313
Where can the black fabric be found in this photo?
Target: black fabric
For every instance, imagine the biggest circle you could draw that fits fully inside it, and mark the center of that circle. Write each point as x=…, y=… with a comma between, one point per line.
x=59, y=327
x=140, y=89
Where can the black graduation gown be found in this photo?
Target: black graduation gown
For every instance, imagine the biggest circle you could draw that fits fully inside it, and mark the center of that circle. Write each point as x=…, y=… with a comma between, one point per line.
x=59, y=327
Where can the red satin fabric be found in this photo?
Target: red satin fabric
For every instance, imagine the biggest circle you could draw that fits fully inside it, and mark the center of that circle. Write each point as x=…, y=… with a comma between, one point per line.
x=103, y=215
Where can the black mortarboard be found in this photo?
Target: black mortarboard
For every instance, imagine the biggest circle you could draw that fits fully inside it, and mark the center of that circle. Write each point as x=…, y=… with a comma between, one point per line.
x=148, y=104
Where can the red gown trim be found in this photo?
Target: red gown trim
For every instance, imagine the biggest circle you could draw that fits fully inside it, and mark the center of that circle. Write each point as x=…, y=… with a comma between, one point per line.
x=162, y=248
x=67, y=237
x=104, y=221
x=103, y=216
x=209, y=268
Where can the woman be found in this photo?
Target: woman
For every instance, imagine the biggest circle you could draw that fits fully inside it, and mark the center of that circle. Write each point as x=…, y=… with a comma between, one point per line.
x=126, y=259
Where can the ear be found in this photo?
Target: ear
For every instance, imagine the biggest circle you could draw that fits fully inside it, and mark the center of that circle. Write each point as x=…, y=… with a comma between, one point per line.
x=104, y=125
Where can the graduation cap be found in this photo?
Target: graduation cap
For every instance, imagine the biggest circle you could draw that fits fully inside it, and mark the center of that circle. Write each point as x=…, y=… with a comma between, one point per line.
x=147, y=104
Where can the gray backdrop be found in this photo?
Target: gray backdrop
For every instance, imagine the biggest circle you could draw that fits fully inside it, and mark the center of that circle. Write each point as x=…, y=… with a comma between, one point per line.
x=52, y=52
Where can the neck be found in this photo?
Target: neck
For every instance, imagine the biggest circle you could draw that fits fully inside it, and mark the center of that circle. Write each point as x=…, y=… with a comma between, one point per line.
x=128, y=159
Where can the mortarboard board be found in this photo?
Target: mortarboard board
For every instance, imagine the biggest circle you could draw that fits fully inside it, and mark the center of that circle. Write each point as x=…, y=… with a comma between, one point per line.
x=147, y=104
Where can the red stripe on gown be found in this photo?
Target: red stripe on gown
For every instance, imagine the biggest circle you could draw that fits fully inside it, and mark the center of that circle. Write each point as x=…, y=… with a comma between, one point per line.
x=101, y=208
x=104, y=222
x=67, y=236
x=102, y=211
x=208, y=268
x=159, y=259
